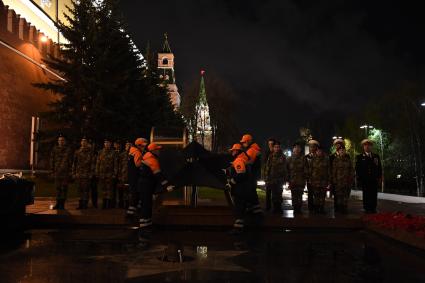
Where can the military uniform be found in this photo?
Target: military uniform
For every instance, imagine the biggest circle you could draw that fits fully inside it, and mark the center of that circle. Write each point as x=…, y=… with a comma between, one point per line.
x=308, y=159
x=369, y=173
x=106, y=172
x=297, y=176
x=123, y=190
x=275, y=173
x=319, y=178
x=61, y=166
x=342, y=180
x=83, y=171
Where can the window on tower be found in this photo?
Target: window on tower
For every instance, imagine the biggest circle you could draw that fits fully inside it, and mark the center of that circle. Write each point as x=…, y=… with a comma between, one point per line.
x=165, y=61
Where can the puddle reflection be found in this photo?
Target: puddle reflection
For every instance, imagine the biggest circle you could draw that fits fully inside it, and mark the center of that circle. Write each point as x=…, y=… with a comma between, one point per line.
x=286, y=256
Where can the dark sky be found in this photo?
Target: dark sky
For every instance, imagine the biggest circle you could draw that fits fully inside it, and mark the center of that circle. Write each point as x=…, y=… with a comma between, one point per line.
x=292, y=63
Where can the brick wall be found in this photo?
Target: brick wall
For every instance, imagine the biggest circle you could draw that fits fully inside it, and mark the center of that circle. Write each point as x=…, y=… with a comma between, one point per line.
x=19, y=100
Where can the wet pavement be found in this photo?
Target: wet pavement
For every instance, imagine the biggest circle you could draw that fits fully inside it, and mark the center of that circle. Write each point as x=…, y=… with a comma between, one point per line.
x=116, y=255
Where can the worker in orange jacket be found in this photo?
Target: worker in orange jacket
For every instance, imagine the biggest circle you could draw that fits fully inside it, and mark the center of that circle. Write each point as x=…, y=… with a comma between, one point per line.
x=238, y=182
x=135, y=157
x=253, y=153
x=151, y=178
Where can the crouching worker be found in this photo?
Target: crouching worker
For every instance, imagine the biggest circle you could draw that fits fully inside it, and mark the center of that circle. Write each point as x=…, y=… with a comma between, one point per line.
x=151, y=182
x=134, y=162
x=239, y=181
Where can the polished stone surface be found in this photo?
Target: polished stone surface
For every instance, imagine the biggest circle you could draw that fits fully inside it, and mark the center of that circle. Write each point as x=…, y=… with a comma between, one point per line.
x=116, y=255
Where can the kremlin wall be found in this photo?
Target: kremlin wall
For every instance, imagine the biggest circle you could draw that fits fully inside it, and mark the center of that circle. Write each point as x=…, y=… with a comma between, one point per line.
x=22, y=48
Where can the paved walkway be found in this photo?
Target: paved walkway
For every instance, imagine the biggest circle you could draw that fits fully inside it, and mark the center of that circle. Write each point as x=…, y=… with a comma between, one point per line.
x=209, y=213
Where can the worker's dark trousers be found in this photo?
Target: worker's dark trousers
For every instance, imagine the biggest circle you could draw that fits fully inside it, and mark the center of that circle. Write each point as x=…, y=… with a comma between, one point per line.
x=147, y=188
x=252, y=197
x=240, y=196
x=370, y=195
x=134, y=194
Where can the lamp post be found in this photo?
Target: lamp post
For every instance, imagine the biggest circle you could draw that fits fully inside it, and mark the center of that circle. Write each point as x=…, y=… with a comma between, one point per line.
x=366, y=128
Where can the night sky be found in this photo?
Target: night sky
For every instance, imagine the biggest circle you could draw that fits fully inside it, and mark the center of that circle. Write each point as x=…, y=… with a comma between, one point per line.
x=291, y=63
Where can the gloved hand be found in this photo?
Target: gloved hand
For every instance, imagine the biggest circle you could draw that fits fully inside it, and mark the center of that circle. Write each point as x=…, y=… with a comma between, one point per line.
x=228, y=187
x=170, y=188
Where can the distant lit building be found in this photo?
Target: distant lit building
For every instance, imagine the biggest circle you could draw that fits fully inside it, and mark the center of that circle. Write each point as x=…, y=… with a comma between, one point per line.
x=204, y=133
x=166, y=72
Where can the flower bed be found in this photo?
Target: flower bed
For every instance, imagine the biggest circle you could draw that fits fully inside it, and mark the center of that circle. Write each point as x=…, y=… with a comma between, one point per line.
x=398, y=221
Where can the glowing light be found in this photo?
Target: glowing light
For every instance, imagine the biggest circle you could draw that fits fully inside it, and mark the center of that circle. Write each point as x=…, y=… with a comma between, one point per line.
x=261, y=183
x=43, y=38
x=202, y=72
x=423, y=104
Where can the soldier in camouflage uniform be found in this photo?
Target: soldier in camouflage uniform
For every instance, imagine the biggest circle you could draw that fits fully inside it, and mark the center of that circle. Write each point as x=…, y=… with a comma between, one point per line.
x=275, y=175
x=61, y=166
x=83, y=171
x=297, y=176
x=313, y=145
x=123, y=188
x=117, y=147
x=319, y=179
x=107, y=172
x=342, y=178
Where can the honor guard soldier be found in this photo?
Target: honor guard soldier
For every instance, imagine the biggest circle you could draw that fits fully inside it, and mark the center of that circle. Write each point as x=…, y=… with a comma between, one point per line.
x=342, y=176
x=253, y=152
x=61, y=166
x=238, y=183
x=313, y=145
x=83, y=171
x=117, y=147
x=369, y=175
x=106, y=172
x=297, y=176
x=151, y=182
x=319, y=179
x=275, y=173
x=134, y=162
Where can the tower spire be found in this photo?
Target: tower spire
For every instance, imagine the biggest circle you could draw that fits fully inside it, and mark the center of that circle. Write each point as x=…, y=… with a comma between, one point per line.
x=202, y=91
x=166, y=46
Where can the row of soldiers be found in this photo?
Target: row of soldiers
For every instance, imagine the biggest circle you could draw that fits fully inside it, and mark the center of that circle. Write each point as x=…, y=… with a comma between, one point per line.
x=321, y=172
x=105, y=170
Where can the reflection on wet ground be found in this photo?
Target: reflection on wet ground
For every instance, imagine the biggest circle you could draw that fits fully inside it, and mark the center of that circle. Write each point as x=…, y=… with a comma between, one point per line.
x=116, y=255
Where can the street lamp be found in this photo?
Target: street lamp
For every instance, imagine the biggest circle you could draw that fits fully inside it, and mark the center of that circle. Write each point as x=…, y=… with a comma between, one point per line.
x=366, y=128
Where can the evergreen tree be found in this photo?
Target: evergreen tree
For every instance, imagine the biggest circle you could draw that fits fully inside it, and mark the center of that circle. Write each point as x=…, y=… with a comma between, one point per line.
x=107, y=90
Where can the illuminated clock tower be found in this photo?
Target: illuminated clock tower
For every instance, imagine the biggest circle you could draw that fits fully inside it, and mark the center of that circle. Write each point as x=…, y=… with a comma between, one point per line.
x=166, y=72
